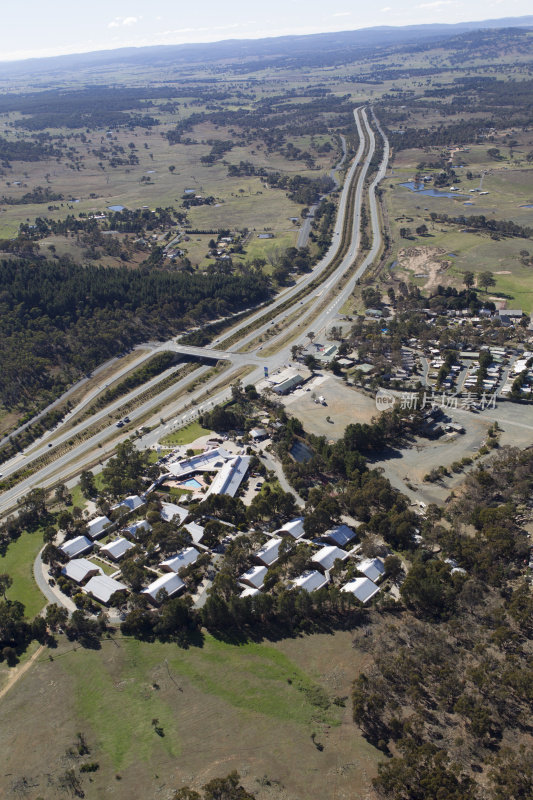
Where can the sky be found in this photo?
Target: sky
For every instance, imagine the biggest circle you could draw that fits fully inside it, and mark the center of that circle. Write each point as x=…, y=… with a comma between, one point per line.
x=33, y=28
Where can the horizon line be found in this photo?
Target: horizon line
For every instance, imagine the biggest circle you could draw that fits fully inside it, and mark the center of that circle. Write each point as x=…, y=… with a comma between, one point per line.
x=261, y=37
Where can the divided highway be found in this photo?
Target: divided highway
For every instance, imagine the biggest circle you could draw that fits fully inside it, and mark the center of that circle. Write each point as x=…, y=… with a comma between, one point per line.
x=321, y=312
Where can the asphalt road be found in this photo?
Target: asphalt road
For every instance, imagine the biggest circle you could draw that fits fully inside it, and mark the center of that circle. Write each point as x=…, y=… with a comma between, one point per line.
x=305, y=230
x=87, y=399
x=81, y=455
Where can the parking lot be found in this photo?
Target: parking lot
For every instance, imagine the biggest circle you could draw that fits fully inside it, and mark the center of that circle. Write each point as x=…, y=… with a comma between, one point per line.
x=344, y=406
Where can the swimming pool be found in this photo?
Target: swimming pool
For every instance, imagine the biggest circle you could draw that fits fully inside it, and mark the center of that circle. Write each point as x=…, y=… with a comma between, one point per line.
x=192, y=483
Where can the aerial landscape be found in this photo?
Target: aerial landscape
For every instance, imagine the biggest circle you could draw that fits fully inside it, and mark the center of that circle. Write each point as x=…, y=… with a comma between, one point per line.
x=266, y=402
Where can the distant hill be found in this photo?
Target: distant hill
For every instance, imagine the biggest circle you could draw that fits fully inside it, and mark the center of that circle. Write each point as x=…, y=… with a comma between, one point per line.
x=327, y=47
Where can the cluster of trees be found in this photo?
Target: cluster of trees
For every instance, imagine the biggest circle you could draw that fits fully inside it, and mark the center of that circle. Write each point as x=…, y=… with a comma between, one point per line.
x=18, y=442
x=138, y=222
x=481, y=94
x=449, y=298
x=32, y=512
x=279, y=614
x=283, y=614
x=219, y=147
x=24, y=150
x=344, y=458
x=59, y=320
x=125, y=472
x=480, y=222
x=16, y=632
x=499, y=547
x=323, y=223
x=37, y=195
x=228, y=788
x=88, y=108
x=19, y=246
x=444, y=135
x=452, y=701
x=302, y=189
x=456, y=701
x=271, y=119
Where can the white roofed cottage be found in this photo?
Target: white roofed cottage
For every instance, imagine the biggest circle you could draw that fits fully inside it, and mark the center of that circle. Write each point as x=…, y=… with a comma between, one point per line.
x=138, y=527
x=269, y=553
x=326, y=556
x=102, y=587
x=117, y=549
x=196, y=531
x=131, y=503
x=182, y=559
x=171, y=583
x=80, y=569
x=311, y=580
x=341, y=535
x=255, y=577
x=373, y=568
x=76, y=547
x=171, y=511
x=295, y=528
x=98, y=526
x=361, y=588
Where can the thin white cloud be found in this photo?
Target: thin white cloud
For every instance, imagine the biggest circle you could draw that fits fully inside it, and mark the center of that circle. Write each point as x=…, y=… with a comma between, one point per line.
x=384, y=10
x=123, y=22
x=215, y=28
x=438, y=4
x=342, y=14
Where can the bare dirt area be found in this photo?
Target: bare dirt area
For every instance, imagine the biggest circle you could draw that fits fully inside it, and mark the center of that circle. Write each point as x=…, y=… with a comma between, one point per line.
x=345, y=405
x=407, y=468
x=425, y=263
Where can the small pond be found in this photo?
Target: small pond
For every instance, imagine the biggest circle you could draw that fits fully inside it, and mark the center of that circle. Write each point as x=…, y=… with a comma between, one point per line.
x=419, y=189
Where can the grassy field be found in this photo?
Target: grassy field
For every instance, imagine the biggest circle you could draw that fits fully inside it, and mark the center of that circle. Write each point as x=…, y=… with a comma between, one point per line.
x=78, y=499
x=18, y=563
x=509, y=186
x=184, y=435
x=242, y=202
x=217, y=707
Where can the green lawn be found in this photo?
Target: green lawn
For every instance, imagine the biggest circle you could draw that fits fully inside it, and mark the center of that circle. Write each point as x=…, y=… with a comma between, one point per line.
x=175, y=491
x=251, y=678
x=78, y=499
x=153, y=456
x=18, y=563
x=185, y=435
x=107, y=568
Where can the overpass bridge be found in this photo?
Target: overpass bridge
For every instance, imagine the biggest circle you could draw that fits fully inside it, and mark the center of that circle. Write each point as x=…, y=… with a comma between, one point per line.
x=211, y=354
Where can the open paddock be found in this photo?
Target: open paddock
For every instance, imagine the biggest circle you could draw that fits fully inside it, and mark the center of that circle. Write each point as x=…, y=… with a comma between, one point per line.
x=218, y=707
